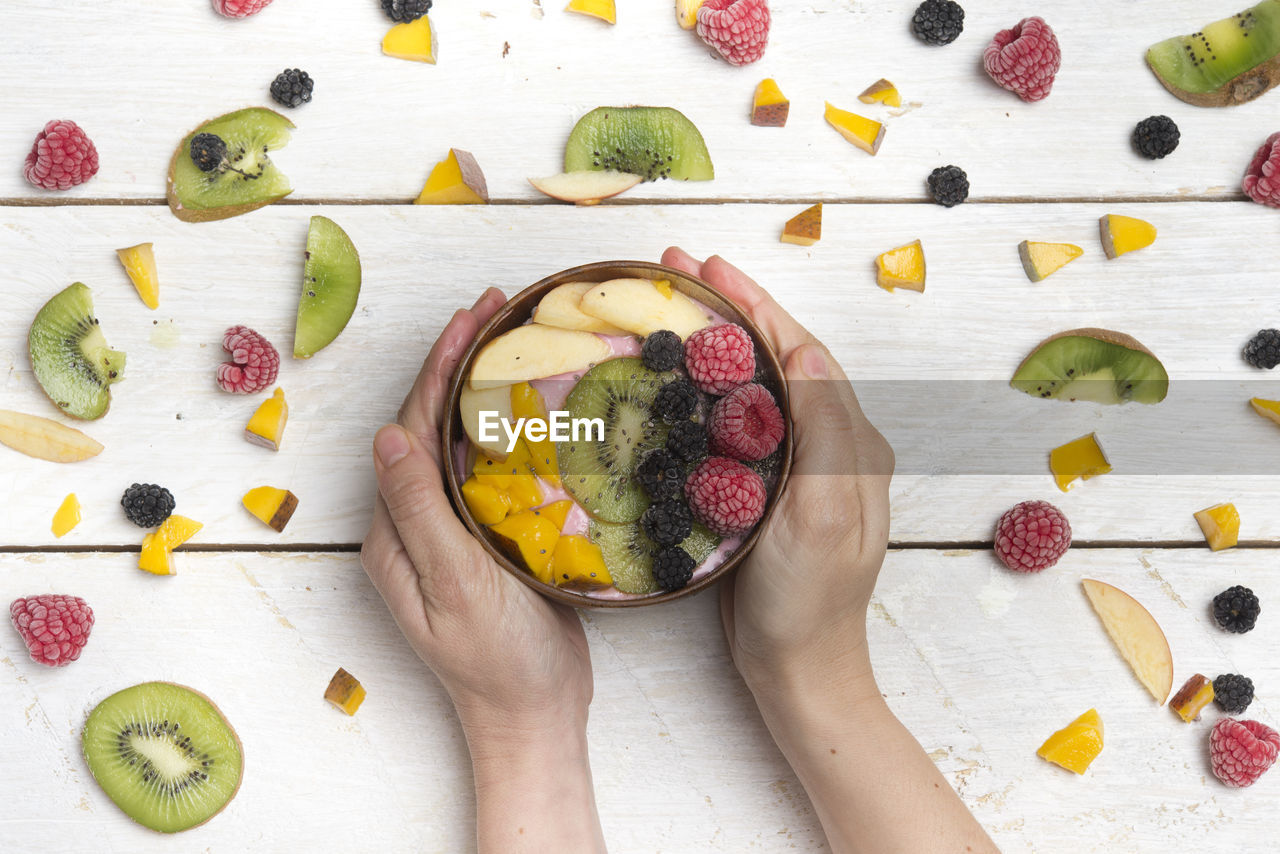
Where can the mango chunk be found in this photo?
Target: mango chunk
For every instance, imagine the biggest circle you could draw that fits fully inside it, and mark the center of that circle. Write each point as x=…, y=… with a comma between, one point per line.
x=527, y=402
x=1193, y=696
x=577, y=560
x=487, y=503
x=1122, y=234
x=1076, y=745
x=155, y=558
x=414, y=41
x=1041, y=260
x=865, y=133
x=140, y=263
x=456, y=180
x=902, y=268
x=602, y=9
x=881, y=92
x=556, y=511
x=266, y=427
x=805, y=228
x=1079, y=459
x=1220, y=525
x=67, y=516
x=345, y=690
x=687, y=13
x=1269, y=409
x=272, y=505
x=531, y=539
x=176, y=530
x=769, y=107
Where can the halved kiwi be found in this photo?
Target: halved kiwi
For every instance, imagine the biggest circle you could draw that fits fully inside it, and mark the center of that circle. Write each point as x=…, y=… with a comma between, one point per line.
x=236, y=174
x=1092, y=364
x=652, y=142
x=1223, y=63
x=164, y=754
x=70, y=356
x=330, y=287
x=628, y=553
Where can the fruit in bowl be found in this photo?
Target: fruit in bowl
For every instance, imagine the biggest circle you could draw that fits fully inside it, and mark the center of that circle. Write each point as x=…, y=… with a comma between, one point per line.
x=619, y=433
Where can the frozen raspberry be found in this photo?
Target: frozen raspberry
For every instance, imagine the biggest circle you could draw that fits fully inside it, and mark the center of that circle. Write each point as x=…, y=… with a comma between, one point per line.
x=240, y=8
x=746, y=424
x=1031, y=536
x=1262, y=178
x=254, y=362
x=720, y=358
x=1024, y=59
x=1241, y=751
x=737, y=29
x=61, y=158
x=54, y=628
x=725, y=495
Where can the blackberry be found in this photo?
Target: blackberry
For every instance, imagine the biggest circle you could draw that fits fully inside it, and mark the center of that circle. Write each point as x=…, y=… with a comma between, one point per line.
x=292, y=87
x=208, y=151
x=1233, y=693
x=687, y=441
x=147, y=505
x=1263, y=349
x=662, y=351
x=404, y=11
x=1156, y=137
x=938, y=21
x=673, y=567
x=1236, y=609
x=660, y=475
x=948, y=185
x=668, y=523
x=676, y=401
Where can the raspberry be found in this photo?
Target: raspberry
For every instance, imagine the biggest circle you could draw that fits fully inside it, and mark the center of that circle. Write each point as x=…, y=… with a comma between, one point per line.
x=746, y=424
x=737, y=29
x=676, y=401
x=1236, y=609
x=239, y=8
x=1241, y=751
x=725, y=495
x=54, y=628
x=1024, y=59
x=687, y=441
x=147, y=504
x=662, y=351
x=668, y=523
x=1031, y=536
x=720, y=358
x=1233, y=693
x=1262, y=178
x=254, y=362
x=292, y=87
x=660, y=475
x=61, y=157
x=673, y=567
x=1263, y=349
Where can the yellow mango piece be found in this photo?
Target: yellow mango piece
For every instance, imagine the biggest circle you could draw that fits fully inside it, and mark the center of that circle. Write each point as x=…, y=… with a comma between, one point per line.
x=176, y=530
x=602, y=9
x=1269, y=409
x=155, y=558
x=1193, y=696
x=769, y=107
x=577, y=560
x=415, y=41
x=805, y=228
x=865, y=133
x=272, y=505
x=663, y=287
x=345, y=692
x=687, y=13
x=266, y=427
x=1076, y=745
x=527, y=402
x=882, y=92
x=902, y=268
x=523, y=492
x=456, y=180
x=1220, y=525
x=556, y=511
x=1079, y=459
x=530, y=538
x=1041, y=260
x=493, y=472
x=67, y=516
x=140, y=263
x=1121, y=234
x=487, y=503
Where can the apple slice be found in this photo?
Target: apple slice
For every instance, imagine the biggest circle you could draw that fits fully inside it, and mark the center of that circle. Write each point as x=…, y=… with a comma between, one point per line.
x=535, y=351
x=1136, y=635
x=471, y=403
x=585, y=187
x=560, y=308
x=641, y=307
x=44, y=439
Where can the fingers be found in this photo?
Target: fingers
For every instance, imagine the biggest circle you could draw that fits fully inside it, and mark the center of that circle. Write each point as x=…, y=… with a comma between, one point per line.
x=682, y=261
x=410, y=484
x=783, y=331
x=388, y=566
x=831, y=433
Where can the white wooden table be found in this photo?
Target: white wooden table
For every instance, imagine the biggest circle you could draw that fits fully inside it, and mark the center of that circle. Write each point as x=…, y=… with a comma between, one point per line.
x=980, y=664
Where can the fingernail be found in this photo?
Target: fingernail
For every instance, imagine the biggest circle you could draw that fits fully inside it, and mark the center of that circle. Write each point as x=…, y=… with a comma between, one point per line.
x=391, y=445
x=814, y=363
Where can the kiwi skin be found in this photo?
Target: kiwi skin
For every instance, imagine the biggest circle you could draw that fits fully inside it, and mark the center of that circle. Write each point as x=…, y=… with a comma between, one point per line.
x=1255, y=82
x=210, y=214
x=41, y=331
x=1106, y=336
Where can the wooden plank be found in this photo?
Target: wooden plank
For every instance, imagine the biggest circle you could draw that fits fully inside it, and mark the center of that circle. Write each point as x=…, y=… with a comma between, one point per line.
x=980, y=665
x=514, y=76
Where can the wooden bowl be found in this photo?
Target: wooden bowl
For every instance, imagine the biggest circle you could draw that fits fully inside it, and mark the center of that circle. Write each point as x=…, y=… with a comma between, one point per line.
x=515, y=313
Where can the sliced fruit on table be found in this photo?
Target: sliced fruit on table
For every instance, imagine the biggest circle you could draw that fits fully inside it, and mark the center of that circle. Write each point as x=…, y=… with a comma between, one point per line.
x=653, y=142
x=140, y=263
x=164, y=754
x=272, y=505
x=527, y=403
x=602, y=9
x=154, y=557
x=533, y=352
x=687, y=13
x=1136, y=635
x=586, y=187
x=330, y=287
x=66, y=517
x=45, y=439
x=496, y=403
x=863, y=132
x=176, y=530
x=643, y=306
x=881, y=92
x=70, y=356
x=628, y=553
x=1124, y=234
x=805, y=228
x=1076, y=745
x=769, y=107
x=1098, y=365
x=1220, y=525
x=1079, y=459
x=576, y=561
x=456, y=180
x=531, y=539
x=230, y=171
x=1223, y=63
x=414, y=41
x=266, y=427
x=560, y=308
x=1042, y=260
x=902, y=267
x=1194, y=695
x=345, y=692
x=1268, y=409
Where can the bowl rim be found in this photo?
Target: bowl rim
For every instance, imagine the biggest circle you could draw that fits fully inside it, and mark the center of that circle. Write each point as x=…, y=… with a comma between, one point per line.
x=601, y=271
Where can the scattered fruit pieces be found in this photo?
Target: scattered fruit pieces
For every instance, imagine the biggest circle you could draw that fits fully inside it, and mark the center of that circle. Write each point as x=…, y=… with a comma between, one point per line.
x=1041, y=260
x=404, y=11
x=1233, y=693
x=535, y=351
x=1076, y=745
x=602, y=9
x=1032, y=536
x=902, y=267
x=1223, y=63
x=1262, y=179
x=530, y=538
x=560, y=307
x=938, y=22
x=1079, y=459
x=147, y=504
x=1124, y=234
x=266, y=427
x=1221, y=525
x=585, y=187
x=456, y=180
x=746, y=424
x=254, y=364
x=54, y=628
x=1241, y=751
x=292, y=88
x=176, y=530
x=949, y=185
x=158, y=546
x=805, y=228
x=738, y=30
x=725, y=495
x=865, y=133
x=1236, y=609
x=1268, y=409
x=881, y=92
x=45, y=439
x=643, y=306
x=1263, y=349
x=1098, y=365
x=239, y=8
x=67, y=516
x=231, y=173
x=577, y=560
x=1136, y=635
x=1194, y=695
x=1024, y=59
x=70, y=356
x=345, y=692
x=414, y=41
x=331, y=277
x=720, y=358
x=687, y=13
x=653, y=142
x=140, y=263
x=61, y=157
x=272, y=505
x=1156, y=137
x=769, y=107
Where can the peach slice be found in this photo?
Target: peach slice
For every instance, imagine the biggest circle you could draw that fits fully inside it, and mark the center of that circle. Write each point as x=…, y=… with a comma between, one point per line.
x=1136, y=635
x=45, y=439
x=533, y=352
x=585, y=187
x=560, y=308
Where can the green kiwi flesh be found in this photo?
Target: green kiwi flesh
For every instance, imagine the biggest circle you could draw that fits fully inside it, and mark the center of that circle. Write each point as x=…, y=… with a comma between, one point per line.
x=600, y=474
x=1092, y=364
x=70, y=356
x=330, y=287
x=251, y=133
x=653, y=142
x=1227, y=62
x=164, y=754
x=628, y=553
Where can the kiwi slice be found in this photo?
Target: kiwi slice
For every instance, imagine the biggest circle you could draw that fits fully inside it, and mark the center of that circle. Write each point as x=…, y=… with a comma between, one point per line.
x=330, y=287
x=600, y=474
x=236, y=174
x=652, y=142
x=1092, y=364
x=628, y=553
x=164, y=754
x=1227, y=62
x=70, y=356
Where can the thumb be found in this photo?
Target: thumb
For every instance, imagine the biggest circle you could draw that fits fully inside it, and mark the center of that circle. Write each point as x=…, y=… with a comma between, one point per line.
x=411, y=486
x=822, y=421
